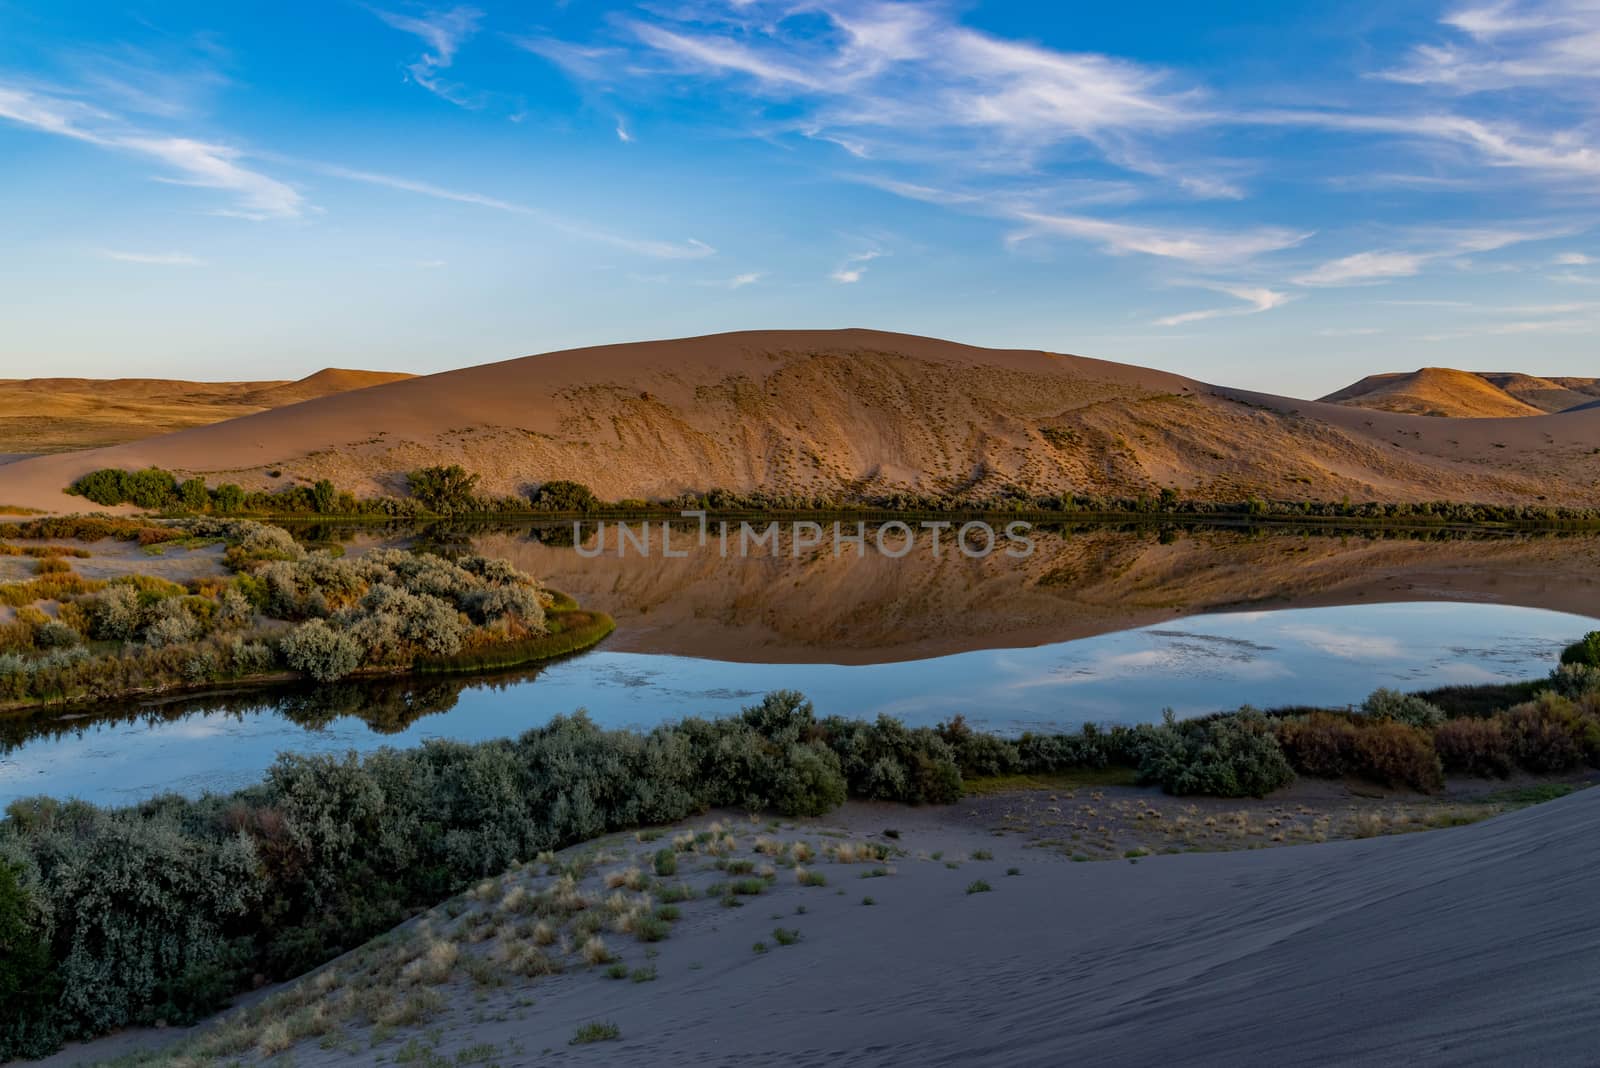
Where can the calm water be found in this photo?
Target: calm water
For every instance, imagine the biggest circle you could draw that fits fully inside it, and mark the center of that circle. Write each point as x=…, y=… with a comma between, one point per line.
x=1099, y=624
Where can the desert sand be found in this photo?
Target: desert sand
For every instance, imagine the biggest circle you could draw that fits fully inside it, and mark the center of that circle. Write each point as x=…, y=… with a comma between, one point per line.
x=45, y=415
x=1453, y=947
x=1442, y=391
x=848, y=411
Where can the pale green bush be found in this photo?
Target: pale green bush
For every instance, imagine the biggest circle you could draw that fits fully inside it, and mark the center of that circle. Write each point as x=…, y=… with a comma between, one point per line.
x=318, y=650
x=1405, y=708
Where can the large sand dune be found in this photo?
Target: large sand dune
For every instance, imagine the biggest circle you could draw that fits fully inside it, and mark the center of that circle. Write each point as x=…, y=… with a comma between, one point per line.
x=837, y=412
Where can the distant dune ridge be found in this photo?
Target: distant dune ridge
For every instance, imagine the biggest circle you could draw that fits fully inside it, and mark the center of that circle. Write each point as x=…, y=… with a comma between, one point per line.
x=844, y=412
x=58, y=414
x=1441, y=391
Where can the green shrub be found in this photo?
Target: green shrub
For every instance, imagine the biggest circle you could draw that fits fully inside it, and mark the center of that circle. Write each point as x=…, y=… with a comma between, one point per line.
x=318, y=650
x=1225, y=756
x=444, y=489
x=1584, y=652
x=107, y=486
x=666, y=862
x=562, y=495
x=1554, y=734
x=192, y=494
x=1386, y=704
x=28, y=982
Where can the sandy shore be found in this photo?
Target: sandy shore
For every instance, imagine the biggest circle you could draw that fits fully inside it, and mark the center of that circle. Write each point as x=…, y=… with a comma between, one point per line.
x=1459, y=946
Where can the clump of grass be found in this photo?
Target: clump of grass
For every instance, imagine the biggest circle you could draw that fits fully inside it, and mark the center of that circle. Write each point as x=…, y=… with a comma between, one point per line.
x=759, y=947
x=598, y=1031
x=737, y=867
x=1013, y=871
x=651, y=928
x=666, y=862
x=868, y=900
x=749, y=887
x=875, y=873
x=675, y=893
x=802, y=852
x=617, y=971
x=669, y=913
x=646, y=974
x=785, y=936
x=632, y=878
x=978, y=886
x=806, y=877
x=595, y=951
x=982, y=854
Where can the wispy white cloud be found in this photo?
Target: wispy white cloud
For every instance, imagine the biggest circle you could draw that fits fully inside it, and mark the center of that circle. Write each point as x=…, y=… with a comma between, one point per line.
x=1573, y=259
x=443, y=32
x=1365, y=268
x=154, y=259
x=854, y=267
x=1256, y=299
x=1349, y=331
x=204, y=164
x=623, y=135
x=691, y=249
x=1508, y=44
x=1191, y=245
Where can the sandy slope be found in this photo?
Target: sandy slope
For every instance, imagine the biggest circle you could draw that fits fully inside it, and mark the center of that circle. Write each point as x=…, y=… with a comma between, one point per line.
x=1441, y=391
x=1466, y=946
x=836, y=411
x=57, y=414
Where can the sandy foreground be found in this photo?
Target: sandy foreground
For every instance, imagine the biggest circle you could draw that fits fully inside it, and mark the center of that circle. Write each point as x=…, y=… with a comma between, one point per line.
x=1468, y=945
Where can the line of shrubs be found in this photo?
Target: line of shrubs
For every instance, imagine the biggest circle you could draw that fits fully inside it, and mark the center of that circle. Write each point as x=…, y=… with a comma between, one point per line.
x=162, y=910
x=452, y=490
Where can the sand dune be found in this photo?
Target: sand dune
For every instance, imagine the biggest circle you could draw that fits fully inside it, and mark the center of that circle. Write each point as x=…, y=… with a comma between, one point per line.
x=1436, y=391
x=58, y=414
x=840, y=412
x=1441, y=391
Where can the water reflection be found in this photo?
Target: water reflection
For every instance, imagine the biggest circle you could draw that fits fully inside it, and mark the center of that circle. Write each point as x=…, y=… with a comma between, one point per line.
x=1325, y=656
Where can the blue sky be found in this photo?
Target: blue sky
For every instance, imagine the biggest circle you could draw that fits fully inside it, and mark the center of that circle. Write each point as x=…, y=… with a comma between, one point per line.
x=1272, y=195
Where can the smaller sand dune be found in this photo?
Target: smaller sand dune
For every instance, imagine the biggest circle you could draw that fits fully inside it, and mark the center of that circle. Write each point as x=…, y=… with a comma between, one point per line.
x=42, y=415
x=1436, y=391
x=1442, y=391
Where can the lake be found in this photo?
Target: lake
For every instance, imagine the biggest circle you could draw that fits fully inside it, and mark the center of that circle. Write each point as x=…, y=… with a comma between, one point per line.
x=1097, y=623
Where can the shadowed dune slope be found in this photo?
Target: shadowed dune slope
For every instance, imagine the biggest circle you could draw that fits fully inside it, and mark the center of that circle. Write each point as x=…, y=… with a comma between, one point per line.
x=850, y=411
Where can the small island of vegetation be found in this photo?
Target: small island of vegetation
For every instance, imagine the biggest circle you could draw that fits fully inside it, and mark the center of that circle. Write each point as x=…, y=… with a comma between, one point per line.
x=283, y=611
